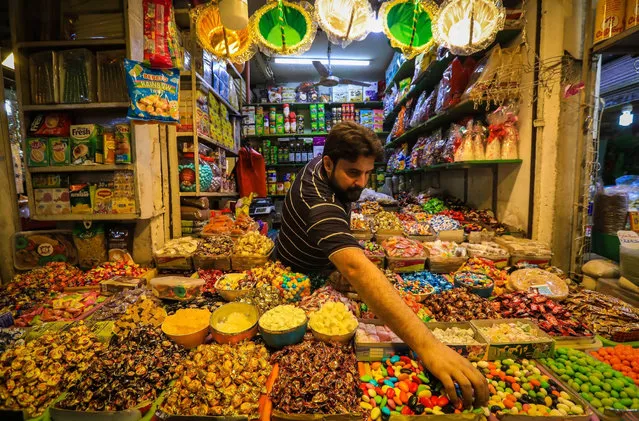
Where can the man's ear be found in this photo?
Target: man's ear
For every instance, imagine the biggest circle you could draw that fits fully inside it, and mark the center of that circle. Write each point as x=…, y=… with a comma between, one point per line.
x=328, y=164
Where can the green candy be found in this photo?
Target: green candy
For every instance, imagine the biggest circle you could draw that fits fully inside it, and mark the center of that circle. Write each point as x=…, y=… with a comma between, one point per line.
x=596, y=402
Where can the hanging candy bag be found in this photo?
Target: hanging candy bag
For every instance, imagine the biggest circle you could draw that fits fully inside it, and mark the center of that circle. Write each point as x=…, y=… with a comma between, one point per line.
x=153, y=93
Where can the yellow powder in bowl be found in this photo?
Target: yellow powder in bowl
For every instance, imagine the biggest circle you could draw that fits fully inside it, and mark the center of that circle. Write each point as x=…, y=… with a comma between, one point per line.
x=186, y=321
x=235, y=322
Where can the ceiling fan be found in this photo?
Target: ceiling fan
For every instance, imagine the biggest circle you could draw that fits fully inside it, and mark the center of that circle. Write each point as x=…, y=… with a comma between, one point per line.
x=326, y=75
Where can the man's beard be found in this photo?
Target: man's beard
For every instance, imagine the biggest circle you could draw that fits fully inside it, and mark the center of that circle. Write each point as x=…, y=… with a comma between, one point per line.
x=349, y=195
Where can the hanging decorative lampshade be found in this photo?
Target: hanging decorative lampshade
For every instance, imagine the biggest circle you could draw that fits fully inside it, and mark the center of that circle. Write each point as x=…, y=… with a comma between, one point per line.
x=408, y=25
x=223, y=43
x=468, y=26
x=283, y=28
x=344, y=21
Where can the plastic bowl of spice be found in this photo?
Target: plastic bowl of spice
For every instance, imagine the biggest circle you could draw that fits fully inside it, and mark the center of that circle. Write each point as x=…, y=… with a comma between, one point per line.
x=234, y=322
x=187, y=327
x=478, y=283
x=283, y=325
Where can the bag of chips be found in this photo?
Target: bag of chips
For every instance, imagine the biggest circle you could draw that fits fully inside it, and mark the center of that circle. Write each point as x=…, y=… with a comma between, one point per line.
x=157, y=15
x=153, y=92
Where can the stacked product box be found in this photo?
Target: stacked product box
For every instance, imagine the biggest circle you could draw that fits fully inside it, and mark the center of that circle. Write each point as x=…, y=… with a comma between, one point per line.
x=248, y=122
x=372, y=119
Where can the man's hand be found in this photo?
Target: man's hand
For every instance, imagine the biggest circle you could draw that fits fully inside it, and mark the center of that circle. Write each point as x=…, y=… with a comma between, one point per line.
x=450, y=368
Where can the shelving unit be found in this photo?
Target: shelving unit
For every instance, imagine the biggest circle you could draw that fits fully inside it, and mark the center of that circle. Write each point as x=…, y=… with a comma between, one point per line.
x=366, y=104
x=83, y=168
x=84, y=106
x=623, y=43
x=197, y=82
x=90, y=217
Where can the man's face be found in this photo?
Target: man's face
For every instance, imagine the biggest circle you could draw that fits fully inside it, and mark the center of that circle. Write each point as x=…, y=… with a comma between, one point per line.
x=348, y=179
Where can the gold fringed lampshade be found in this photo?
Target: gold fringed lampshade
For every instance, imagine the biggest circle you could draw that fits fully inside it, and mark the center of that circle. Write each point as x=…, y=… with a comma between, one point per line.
x=283, y=28
x=344, y=21
x=223, y=43
x=408, y=25
x=468, y=26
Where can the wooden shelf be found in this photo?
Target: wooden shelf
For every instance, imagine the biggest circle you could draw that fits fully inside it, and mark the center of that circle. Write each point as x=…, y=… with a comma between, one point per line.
x=84, y=106
x=266, y=136
x=626, y=42
x=441, y=120
x=87, y=217
x=209, y=141
x=209, y=194
x=372, y=104
x=459, y=166
x=32, y=45
x=82, y=168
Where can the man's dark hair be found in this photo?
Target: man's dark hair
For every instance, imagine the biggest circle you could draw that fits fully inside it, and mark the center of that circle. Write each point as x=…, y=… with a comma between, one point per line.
x=349, y=140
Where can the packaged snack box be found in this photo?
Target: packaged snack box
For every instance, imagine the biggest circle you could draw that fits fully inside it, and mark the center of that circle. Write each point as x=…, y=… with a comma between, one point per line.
x=81, y=198
x=52, y=201
x=103, y=201
x=87, y=144
x=122, y=144
x=37, y=152
x=59, y=151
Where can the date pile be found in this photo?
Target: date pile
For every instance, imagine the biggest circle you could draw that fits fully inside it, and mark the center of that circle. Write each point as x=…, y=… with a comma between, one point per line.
x=129, y=373
x=458, y=305
x=32, y=376
x=316, y=378
x=219, y=380
x=552, y=317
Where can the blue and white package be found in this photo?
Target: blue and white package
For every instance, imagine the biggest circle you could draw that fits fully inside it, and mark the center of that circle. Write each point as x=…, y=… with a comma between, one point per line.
x=153, y=92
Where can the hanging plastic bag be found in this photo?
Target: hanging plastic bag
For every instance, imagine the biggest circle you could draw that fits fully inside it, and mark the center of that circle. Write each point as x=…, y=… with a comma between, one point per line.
x=479, y=140
x=398, y=127
x=158, y=40
x=153, y=93
x=484, y=75
x=465, y=151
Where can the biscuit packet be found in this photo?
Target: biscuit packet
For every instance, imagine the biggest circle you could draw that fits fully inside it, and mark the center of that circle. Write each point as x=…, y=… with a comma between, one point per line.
x=90, y=241
x=153, y=93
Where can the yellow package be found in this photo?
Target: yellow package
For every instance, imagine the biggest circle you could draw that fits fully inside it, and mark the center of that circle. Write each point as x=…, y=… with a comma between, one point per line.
x=609, y=20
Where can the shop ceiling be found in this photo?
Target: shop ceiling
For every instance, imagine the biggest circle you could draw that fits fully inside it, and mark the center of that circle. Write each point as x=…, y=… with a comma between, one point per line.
x=375, y=48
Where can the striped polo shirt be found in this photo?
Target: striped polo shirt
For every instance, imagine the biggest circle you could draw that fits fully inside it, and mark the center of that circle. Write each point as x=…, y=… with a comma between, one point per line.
x=315, y=223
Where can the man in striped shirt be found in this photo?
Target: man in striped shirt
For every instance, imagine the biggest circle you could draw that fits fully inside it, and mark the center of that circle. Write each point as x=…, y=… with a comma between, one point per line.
x=315, y=236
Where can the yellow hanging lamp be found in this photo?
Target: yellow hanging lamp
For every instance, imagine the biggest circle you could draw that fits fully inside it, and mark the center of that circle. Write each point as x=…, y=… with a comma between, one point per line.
x=468, y=26
x=283, y=28
x=225, y=44
x=344, y=21
x=408, y=25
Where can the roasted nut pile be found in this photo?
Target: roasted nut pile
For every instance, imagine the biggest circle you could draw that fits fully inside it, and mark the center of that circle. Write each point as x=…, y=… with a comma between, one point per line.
x=144, y=313
x=216, y=245
x=118, y=304
x=458, y=305
x=130, y=372
x=35, y=374
x=253, y=244
x=219, y=380
x=316, y=378
x=552, y=317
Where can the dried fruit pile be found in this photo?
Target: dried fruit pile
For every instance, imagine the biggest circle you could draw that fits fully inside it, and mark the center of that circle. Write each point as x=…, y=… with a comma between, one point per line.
x=458, y=305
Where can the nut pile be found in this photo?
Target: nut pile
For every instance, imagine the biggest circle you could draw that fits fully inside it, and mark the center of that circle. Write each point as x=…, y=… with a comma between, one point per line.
x=458, y=305
x=315, y=378
x=219, y=380
x=144, y=313
x=35, y=374
x=552, y=317
x=253, y=244
x=132, y=371
x=216, y=245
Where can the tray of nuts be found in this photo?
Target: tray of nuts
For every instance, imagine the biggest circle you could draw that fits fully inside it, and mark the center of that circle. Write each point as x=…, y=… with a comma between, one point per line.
x=251, y=250
x=214, y=252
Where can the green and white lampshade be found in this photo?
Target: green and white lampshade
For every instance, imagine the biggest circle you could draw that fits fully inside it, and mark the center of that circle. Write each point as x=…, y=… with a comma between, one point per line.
x=468, y=26
x=408, y=25
x=344, y=21
x=283, y=28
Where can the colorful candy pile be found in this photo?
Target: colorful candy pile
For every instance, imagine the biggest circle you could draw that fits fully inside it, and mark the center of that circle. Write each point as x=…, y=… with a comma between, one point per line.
x=623, y=358
x=108, y=270
x=266, y=274
x=216, y=245
x=372, y=249
x=359, y=222
x=552, y=317
x=481, y=265
x=403, y=247
x=323, y=295
x=411, y=226
x=458, y=305
x=414, y=286
x=520, y=388
x=445, y=249
x=386, y=221
x=438, y=282
x=371, y=208
x=455, y=336
x=264, y=298
x=516, y=332
x=434, y=206
x=293, y=286
x=316, y=378
x=473, y=279
x=399, y=385
x=210, y=277
x=370, y=333
x=443, y=223
x=597, y=382
x=61, y=308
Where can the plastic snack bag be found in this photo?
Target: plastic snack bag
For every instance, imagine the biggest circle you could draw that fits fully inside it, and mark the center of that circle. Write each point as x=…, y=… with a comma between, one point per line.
x=90, y=240
x=157, y=15
x=153, y=93
x=465, y=150
x=479, y=138
x=398, y=127
x=484, y=74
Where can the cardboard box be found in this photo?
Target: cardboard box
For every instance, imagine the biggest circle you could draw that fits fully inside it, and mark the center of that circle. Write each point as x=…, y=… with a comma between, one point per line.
x=59, y=151
x=103, y=200
x=37, y=152
x=81, y=198
x=471, y=352
x=375, y=351
x=542, y=348
x=52, y=201
x=87, y=144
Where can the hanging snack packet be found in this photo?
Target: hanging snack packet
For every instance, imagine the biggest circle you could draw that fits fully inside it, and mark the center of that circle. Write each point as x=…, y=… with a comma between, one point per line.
x=157, y=15
x=153, y=92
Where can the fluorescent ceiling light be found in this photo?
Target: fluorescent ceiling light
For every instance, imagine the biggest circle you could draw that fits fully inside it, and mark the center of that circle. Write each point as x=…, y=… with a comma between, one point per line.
x=336, y=62
x=8, y=62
